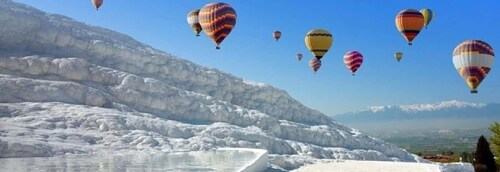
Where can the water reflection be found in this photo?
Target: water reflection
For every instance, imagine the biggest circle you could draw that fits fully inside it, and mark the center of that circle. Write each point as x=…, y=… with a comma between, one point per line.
x=221, y=160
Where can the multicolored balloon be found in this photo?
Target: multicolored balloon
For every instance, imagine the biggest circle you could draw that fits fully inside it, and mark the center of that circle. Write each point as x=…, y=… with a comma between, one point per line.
x=192, y=19
x=398, y=55
x=315, y=64
x=318, y=41
x=299, y=56
x=217, y=21
x=277, y=35
x=428, y=16
x=473, y=60
x=97, y=3
x=409, y=22
x=353, y=60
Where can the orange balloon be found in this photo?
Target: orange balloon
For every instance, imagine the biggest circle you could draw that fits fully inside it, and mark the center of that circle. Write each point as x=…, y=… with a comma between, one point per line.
x=217, y=20
x=409, y=22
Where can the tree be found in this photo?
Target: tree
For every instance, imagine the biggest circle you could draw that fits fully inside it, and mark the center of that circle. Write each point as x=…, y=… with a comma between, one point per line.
x=484, y=155
x=480, y=168
x=495, y=140
x=465, y=157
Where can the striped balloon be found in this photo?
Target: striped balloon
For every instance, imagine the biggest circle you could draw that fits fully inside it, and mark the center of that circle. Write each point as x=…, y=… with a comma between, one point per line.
x=217, y=20
x=473, y=60
x=315, y=64
x=97, y=3
x=192, y=19
x=428, y=16
x=409, y=22
x=353, y=60
x=318, y=41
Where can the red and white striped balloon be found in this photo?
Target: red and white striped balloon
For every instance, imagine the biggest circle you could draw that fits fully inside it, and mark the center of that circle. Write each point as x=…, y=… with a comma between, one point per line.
x=315, y=64
x=353, y=60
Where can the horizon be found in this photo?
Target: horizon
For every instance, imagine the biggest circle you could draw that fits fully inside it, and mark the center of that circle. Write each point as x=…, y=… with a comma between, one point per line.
x=425, y=74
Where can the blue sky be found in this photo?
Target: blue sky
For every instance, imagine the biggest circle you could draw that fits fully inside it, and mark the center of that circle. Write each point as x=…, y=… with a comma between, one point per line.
x=426, y=73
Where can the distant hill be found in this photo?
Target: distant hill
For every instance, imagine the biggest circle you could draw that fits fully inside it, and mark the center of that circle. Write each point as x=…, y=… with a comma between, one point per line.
x=443, y=115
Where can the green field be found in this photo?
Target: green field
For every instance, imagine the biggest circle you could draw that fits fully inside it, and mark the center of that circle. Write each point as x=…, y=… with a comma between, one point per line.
x=436, y=142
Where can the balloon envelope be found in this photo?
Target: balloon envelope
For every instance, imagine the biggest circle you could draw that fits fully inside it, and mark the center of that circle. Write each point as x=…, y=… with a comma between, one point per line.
x=315, y=64
x=473, y=60
x=277, y=35
x=192, y=19
x=428, y=16
x=299, y=57
x=97, y=3
x=217, y=21
x=409, y=22
x=353, y=60
x=398, y=55
x=318, y=41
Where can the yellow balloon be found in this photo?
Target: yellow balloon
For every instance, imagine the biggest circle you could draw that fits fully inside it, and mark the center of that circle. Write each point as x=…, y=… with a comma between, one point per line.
x=398, y=55
x=428, y=16
x=318, y=41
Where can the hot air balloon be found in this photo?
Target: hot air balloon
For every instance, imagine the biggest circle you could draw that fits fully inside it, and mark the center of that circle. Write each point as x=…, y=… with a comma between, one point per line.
x=217, y=21
x=318, y=41
x=353, y=60
x=428, y=15
x=192, y=19
x=277, y=35
x=315, y=64
x=97, y=3
x=299, y=57
x=409, y=22
x=398, y=55
x=473, y=60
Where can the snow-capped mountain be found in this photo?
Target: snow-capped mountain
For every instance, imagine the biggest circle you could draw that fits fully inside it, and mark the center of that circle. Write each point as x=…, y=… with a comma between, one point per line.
x=416, y=108
x=442, y=115
x=70, y=88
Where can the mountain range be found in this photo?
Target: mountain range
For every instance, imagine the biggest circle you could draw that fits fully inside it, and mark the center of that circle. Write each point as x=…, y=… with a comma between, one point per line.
x=451, y=114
